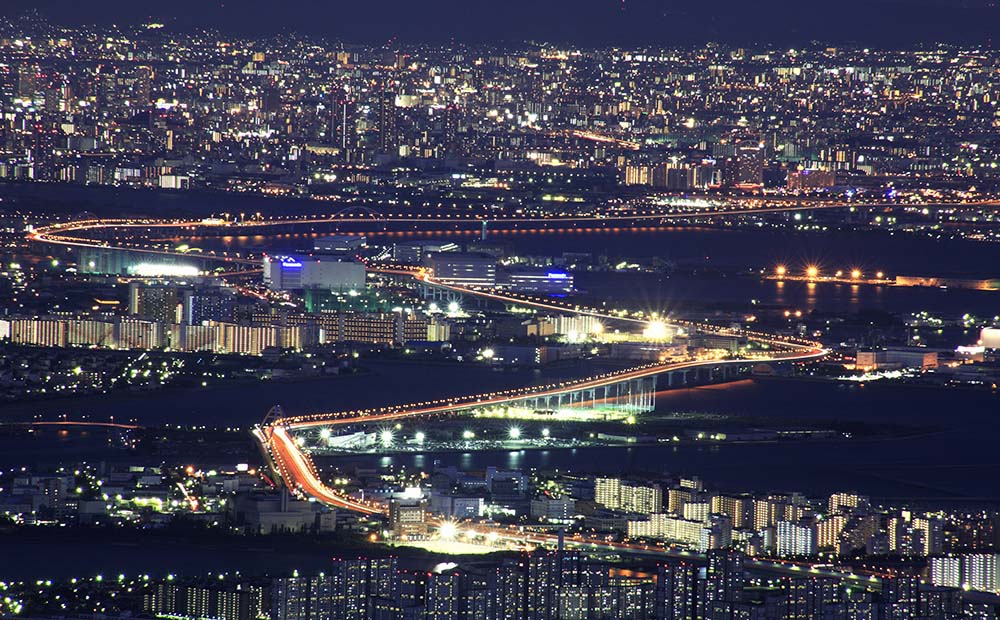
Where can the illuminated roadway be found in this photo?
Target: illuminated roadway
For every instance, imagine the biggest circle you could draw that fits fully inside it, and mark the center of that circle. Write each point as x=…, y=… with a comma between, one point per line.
x=299, y=473
x=297, y=469
x=55, y=233
x=83, y=424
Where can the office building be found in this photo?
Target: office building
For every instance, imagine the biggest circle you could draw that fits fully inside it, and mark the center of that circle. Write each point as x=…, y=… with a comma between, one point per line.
x=463, y=269
x=207, y=303
x=157, y=301
x=557, y=509
x=293, y=272
x=414, y=252
x=538, y=281
x=895, y=358
x=811, y=179
x=407, y=516
x=749, y=164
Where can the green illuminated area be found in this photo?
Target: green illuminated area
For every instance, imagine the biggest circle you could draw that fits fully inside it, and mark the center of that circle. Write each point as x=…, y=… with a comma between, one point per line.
x=566, y=414
x=367, y=300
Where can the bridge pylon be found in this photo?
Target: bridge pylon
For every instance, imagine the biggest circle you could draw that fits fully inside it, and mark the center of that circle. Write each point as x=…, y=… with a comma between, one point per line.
x=274, y=414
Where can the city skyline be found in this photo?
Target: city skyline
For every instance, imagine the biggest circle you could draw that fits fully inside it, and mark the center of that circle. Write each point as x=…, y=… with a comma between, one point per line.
x=629, y=310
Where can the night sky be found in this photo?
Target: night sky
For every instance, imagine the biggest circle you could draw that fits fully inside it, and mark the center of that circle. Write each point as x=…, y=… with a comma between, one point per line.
x=877, y=23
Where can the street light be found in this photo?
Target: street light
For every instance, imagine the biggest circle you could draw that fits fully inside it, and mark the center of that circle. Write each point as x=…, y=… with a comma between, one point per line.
x=514, y=432
x=655, y=330
x=812, y=271
x=448, y=530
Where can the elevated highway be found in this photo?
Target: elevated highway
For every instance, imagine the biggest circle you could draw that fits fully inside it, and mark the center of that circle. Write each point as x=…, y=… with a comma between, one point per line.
x=74, y=424
x=92, y=233
x=296, y=469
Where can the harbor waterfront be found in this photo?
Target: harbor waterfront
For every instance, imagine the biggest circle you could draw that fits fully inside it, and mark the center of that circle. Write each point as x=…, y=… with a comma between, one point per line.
x=915, y=462
x=441, y=312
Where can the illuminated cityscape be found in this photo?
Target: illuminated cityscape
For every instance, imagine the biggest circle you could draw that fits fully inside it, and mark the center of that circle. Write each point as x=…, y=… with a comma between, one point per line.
x=298, y=325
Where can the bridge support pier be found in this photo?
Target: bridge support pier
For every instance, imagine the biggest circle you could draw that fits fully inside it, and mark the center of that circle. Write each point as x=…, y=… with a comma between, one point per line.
x=628, y=397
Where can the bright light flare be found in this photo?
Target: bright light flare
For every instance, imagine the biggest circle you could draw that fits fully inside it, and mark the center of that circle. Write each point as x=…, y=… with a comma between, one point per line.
x=448, y=530
x=387, y=437
x=153, y=270
x=812, y=271
x=514, y=432
x=655, y=330
x=855, y=274
x=780, y=270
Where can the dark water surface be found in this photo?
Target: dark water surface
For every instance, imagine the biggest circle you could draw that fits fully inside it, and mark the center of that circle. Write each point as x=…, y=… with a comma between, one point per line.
x=956, y=461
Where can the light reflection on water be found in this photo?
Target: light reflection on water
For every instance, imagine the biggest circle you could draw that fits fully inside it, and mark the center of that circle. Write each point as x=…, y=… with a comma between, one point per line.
x=736, y=251
x=946, y=464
